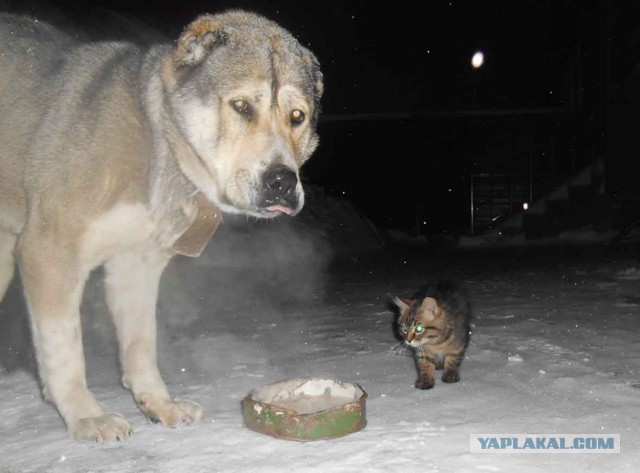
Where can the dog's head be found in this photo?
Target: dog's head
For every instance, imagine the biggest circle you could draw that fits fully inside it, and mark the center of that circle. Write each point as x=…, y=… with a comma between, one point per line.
x=246, y=95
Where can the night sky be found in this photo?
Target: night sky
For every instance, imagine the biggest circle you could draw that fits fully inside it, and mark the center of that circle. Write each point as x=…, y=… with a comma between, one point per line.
x=382, y=59
x=406, y=119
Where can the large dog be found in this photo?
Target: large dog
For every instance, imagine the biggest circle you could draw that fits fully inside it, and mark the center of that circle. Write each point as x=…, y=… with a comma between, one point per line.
x=115, y=154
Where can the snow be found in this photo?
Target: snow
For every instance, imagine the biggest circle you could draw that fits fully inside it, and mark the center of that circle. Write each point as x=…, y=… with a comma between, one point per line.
x=554, y=348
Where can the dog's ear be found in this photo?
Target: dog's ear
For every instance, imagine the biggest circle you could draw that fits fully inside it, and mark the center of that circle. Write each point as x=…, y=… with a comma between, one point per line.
x=197, y=40
x=317, y=75
x=312, y=61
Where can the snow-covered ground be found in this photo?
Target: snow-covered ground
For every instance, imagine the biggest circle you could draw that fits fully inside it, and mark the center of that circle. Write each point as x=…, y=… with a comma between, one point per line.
x=555, y=349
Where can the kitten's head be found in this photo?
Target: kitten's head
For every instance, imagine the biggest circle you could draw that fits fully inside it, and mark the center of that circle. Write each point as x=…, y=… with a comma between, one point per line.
x=421, y=321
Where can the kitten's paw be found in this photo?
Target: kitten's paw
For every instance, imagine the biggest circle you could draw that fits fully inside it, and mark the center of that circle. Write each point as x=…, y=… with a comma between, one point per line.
x=450, y=377
x=424, y=382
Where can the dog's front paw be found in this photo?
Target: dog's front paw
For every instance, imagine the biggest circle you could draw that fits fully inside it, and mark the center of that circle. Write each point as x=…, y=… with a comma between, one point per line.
x=450, y=377
x=105, y=428
x=169, y=412
x=424, y=382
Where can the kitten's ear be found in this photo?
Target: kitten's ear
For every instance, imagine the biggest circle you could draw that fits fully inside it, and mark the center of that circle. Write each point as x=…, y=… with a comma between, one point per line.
x=402, y=304
x=429, y=308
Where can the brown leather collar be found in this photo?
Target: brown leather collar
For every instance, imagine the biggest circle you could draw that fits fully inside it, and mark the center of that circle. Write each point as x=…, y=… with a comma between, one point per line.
x=193, y=241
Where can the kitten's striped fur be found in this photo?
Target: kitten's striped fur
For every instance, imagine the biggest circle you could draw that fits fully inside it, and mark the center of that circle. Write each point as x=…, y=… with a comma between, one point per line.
x=435, y=323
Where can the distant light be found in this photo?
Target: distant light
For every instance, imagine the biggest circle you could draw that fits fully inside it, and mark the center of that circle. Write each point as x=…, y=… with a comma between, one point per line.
x=477, y=60
x=525, y=206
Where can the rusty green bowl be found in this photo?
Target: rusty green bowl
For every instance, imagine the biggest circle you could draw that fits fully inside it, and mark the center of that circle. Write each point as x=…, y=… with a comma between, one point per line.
x=306, y=409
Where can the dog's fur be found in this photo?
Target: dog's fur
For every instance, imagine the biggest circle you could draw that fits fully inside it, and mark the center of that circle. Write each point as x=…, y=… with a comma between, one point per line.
x=106, y=149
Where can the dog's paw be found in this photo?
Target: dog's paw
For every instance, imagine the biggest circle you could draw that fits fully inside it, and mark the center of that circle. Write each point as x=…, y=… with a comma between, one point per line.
x=450, y=377
x=424, y=382
x=105, y=428
x=171, y=413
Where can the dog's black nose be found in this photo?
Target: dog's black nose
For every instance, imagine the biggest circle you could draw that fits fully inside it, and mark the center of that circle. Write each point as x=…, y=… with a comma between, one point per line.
x=280, y=180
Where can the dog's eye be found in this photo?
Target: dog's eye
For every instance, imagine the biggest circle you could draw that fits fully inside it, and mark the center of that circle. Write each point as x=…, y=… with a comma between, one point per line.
x=297, y=117
x=241, y=106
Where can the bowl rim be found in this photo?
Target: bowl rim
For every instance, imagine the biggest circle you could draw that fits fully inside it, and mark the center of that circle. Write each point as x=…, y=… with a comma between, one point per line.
x=260, y=416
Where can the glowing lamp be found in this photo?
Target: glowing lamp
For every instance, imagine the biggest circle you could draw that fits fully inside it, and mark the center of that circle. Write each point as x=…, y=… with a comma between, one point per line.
x=477, y=60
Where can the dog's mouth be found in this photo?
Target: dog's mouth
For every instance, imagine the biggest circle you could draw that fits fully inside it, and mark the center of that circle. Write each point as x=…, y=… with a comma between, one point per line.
x=279, y=193
x=280, y=209
x=275, y=210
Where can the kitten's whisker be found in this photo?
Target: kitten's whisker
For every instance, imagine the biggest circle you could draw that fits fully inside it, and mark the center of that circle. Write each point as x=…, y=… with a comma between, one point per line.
x=400, y=349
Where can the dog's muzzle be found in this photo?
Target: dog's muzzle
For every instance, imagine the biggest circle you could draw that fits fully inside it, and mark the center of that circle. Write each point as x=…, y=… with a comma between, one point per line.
x=279, y=194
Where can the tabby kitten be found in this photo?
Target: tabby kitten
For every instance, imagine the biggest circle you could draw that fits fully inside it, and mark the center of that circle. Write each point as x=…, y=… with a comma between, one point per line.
x=435, y=323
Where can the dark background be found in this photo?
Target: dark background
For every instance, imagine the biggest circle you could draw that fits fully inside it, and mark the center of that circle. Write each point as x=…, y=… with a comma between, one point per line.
x=407, y=120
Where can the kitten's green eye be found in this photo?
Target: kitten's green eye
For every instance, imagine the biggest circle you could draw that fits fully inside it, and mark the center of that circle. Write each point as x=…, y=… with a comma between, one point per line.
x=404, y=328
x=419, y=329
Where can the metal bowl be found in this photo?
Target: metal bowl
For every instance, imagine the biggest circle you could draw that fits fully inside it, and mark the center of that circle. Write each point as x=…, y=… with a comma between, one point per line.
x=306, y=409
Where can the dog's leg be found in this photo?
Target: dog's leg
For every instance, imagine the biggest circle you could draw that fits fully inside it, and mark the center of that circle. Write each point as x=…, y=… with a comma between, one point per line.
x=7, y=246
x=53, y=280
x=132, y=290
